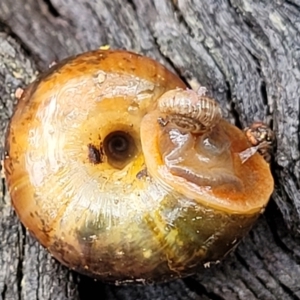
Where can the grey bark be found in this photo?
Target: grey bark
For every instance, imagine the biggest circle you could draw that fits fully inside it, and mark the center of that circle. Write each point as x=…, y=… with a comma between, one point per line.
x=248, y=55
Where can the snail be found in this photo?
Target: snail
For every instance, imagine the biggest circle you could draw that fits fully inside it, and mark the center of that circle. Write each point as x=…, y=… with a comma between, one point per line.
x=127, y=176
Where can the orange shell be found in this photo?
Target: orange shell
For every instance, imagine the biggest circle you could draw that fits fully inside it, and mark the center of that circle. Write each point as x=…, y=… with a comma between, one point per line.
x=115, y=220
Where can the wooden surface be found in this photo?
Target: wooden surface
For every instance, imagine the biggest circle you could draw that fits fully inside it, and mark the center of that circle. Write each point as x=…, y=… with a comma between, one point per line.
x=248, y=55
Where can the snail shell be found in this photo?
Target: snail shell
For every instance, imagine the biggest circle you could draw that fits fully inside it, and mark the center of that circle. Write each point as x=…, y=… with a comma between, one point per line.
x=190, y=111
x=113, y=194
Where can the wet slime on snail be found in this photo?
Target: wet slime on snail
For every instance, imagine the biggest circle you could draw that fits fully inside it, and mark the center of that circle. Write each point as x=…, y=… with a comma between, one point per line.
x=127, y=176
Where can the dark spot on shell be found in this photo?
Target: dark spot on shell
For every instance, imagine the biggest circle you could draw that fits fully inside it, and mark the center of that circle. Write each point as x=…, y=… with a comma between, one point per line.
x=141, y=174
x=95, y=154
x=63, y=249
x=85, y=234
x=127, y=59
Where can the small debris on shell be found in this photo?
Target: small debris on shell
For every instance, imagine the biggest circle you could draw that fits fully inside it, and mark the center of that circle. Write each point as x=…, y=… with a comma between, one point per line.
x=18, y=93
x=104, y=47
x=53, y=63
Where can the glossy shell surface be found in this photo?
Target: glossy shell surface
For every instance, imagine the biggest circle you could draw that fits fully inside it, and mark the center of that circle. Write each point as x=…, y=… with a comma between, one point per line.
x=112, y=193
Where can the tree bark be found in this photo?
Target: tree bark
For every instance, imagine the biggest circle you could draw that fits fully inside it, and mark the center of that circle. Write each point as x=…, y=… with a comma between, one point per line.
x=245, y=52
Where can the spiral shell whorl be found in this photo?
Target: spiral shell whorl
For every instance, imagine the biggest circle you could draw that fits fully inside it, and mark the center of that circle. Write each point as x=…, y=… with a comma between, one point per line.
x=190, y=110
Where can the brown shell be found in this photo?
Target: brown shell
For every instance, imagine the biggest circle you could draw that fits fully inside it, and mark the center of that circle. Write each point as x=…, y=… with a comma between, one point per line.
x=87, y=171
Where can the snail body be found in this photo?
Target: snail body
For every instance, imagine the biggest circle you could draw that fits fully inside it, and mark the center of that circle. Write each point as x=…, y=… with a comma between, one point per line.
x=115, y=194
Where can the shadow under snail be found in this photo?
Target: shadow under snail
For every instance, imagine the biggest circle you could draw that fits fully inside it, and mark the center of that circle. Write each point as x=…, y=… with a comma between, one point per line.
x=125, y=175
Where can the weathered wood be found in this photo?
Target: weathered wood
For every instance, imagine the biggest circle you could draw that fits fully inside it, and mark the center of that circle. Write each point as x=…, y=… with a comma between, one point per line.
x=246, y=53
